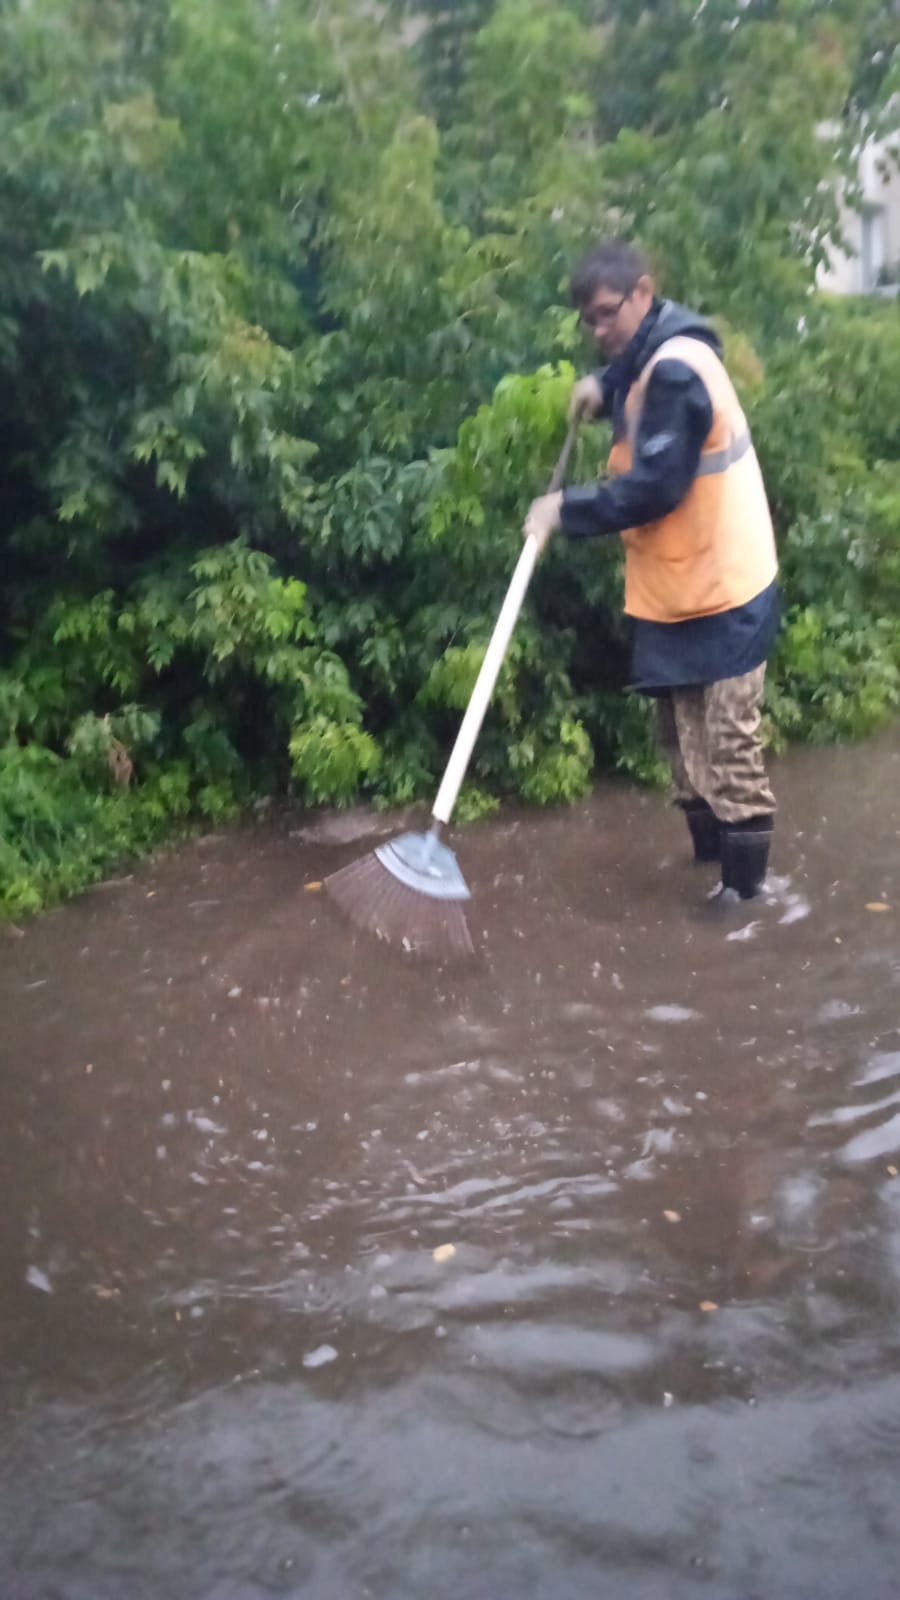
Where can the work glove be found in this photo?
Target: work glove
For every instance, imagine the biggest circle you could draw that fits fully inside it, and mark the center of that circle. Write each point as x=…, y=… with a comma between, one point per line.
x=543, y=518
x=586, y=399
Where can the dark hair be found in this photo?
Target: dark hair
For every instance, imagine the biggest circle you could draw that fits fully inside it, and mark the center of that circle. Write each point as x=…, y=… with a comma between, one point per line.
x=615, y=265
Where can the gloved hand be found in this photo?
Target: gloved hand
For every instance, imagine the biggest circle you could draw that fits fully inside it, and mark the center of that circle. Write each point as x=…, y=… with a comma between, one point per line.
x=586, y=399
x=543, y=518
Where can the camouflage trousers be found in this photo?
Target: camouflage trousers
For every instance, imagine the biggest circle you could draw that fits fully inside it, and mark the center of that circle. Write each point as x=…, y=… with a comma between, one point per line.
x=709, y=734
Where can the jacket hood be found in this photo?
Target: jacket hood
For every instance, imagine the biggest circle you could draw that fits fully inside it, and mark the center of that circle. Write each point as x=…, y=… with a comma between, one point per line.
x=663, y=321
x=674, y=321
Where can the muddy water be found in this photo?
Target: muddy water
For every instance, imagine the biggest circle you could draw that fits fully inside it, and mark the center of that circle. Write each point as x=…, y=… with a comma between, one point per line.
x=663, y=1358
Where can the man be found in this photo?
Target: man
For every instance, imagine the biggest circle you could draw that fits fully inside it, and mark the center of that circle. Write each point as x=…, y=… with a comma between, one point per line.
x=686, y=494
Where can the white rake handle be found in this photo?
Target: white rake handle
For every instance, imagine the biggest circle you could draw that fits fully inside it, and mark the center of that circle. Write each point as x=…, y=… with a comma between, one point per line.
x=470, y=727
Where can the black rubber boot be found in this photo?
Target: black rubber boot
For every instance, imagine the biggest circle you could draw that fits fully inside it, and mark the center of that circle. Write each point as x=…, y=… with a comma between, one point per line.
x=745, y=855
x=704, y=828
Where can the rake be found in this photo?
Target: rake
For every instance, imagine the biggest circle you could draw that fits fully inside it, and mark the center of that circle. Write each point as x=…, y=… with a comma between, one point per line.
x=411, y=891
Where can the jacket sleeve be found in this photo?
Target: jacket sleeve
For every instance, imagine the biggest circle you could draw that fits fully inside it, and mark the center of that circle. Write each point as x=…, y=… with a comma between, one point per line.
x=675, y=421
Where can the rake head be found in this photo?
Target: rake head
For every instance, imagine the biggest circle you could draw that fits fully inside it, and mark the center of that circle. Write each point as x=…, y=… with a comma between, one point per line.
x=411, y=893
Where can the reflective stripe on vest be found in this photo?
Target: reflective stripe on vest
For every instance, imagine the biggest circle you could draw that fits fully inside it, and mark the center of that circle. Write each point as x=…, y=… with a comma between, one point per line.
x=721, y=460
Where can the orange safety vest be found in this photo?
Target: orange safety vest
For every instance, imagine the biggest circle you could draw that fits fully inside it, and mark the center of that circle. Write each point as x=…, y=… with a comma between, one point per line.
x=716, y=550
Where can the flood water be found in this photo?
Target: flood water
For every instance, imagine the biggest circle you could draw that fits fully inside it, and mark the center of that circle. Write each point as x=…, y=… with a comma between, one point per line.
x=663, y=1356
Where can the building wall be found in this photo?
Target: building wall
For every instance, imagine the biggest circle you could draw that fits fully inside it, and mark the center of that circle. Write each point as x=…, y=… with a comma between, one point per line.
x=873, y=234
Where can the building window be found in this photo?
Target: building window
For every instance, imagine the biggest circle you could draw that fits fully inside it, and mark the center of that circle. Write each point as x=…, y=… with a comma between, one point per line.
x=872, y=248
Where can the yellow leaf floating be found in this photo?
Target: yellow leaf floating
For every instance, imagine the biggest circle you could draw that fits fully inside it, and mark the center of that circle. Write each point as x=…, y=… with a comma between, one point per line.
x=312, y=888
x=892, y=1171
x=445, y=1252
x=672, y=1216
x=877, y=905
x=708, y=1305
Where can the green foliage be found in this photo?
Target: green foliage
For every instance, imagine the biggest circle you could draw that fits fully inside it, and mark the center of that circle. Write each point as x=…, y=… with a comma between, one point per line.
x=626, y=728
x=558, y=770
x=332, y=759
x=58, y=833
x=837, y=675
x=103, y=746
x=452, y=678
x=832, y=459
x=285, y=354
x=474, y=804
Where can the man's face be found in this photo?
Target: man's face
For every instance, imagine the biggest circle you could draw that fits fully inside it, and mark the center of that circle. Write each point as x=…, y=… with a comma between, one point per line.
x=614, y=318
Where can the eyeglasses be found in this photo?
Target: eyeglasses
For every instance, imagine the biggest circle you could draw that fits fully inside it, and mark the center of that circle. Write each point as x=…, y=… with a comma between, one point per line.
x=602, y=316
